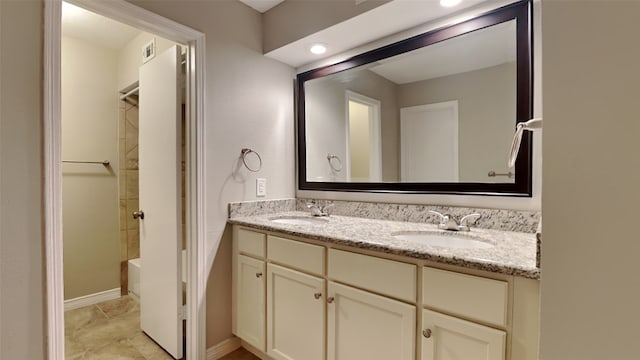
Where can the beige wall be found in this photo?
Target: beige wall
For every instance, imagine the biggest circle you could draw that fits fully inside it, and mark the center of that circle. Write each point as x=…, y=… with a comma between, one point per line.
x=486, y=112
x=90, y=191
x=295, y=19
x=590, y=279
x=249, y=103
x=21, y=241
x=130, y=57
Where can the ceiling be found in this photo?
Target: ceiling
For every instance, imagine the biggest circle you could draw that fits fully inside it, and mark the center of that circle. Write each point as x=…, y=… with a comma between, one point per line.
x=85, y=25
x=262, y=5
x=480, y=49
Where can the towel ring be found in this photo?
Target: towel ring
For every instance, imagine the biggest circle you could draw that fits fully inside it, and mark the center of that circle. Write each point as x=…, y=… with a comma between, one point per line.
x=335, y=165
x=243, y=154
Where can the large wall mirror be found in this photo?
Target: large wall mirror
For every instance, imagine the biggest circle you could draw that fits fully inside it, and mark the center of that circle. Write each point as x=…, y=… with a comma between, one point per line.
x=434, y=113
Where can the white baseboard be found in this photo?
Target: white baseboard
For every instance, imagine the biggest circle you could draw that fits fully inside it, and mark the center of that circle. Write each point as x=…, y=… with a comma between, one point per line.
x=91, y=299
x=223, y=348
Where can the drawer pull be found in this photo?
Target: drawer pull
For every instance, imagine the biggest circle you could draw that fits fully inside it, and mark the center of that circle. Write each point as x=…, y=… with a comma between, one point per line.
x=317, y=295
x=259, y=274
x=426, y=333
x=330, y=299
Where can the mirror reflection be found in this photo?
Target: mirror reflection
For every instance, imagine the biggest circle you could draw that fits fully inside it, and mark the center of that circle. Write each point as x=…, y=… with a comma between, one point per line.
x=442, y=113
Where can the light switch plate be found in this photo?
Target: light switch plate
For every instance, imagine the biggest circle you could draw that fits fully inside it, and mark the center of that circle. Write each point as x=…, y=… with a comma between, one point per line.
x=261, y=187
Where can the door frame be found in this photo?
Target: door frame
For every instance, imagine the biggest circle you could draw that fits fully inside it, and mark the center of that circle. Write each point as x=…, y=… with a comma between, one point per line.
x=375, y=134
x=194, y=40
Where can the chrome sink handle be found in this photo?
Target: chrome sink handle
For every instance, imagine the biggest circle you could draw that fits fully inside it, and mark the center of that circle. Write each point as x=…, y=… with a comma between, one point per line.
x=318, y=210
x=443, y=218
x=464, y=222
x=471, y=217
x=325, y=209
x=448, y=222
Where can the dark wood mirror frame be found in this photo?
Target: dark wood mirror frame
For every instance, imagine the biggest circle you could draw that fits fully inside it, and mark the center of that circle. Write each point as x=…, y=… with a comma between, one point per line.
x=522, y=187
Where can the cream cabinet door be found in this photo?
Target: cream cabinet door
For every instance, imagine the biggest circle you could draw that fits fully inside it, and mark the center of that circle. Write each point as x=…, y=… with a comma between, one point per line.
x=250, y=301
x=362, y=325
x=295, y=315
x=449, y=338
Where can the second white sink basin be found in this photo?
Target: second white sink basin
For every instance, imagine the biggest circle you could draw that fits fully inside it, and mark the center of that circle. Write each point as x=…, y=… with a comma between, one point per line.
x=299, y=220
x=448, y=240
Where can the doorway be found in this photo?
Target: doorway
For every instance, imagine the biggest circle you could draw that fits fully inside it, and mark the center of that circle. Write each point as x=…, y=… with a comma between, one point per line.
x=363, y=144
x=194, y=164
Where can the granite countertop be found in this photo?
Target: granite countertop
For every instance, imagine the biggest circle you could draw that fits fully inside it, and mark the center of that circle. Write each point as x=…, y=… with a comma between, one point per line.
x=513, y=253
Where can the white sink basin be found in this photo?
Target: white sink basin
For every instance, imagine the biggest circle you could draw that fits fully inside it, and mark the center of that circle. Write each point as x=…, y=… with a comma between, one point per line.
x=299, y=220
x=448, y=240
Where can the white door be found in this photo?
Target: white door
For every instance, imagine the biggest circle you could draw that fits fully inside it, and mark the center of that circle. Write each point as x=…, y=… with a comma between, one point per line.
x=362, y=325
x=160, y=200
x=250, y=308
x=449, y=338
x=429, y=143
x=295, y=315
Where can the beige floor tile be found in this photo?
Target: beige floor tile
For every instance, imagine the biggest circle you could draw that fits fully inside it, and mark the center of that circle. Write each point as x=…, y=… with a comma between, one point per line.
x=240, y=354
x=121, y=350
x=148, y=348
x=120, y=306
x=83, y=317
x=109, y=330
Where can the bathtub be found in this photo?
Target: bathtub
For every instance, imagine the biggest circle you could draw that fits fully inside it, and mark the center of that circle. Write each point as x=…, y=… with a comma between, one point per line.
x=134, y=274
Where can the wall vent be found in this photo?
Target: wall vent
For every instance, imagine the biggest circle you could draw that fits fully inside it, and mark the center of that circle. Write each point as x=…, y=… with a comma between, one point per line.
x=149, y=50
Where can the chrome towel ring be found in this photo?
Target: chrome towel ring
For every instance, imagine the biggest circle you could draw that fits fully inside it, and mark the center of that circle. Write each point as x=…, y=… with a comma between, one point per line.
x=334, y=162
x=244, y=153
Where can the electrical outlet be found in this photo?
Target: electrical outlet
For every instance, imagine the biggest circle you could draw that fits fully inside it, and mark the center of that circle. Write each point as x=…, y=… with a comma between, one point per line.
x=261, y=187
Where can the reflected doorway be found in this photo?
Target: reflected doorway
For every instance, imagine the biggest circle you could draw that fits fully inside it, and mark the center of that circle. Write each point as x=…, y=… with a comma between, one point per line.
x=363, y=150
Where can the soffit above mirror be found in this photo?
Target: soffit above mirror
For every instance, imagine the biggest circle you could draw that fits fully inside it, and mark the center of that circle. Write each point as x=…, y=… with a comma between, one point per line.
x=261, y=5
x=387, y=19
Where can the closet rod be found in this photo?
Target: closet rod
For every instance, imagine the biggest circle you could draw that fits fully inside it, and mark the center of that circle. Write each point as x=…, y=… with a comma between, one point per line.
x=104, y=162
x=129, y=93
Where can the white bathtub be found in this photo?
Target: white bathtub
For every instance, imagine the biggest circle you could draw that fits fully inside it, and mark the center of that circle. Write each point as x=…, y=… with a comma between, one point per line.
x=134, y=274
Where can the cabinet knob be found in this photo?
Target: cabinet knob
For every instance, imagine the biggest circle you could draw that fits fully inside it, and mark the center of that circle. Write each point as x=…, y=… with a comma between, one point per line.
x=426, y=333
x=330, y=299
x=258, y=274
x=317, y=295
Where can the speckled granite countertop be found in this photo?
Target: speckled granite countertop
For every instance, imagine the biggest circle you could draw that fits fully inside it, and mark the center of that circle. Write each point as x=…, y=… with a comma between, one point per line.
x=513, y=253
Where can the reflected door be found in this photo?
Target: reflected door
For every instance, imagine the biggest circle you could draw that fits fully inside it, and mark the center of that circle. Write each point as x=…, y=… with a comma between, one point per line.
x=429, y=142
x=160, y=199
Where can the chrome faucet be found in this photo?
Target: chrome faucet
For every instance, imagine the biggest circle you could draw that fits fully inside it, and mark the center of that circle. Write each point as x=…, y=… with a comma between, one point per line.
x=448, y=222
x=319, y=210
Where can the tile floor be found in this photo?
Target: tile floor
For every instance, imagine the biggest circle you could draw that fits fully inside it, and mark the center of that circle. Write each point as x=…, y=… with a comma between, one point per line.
x=240, y=354
x=109, y=330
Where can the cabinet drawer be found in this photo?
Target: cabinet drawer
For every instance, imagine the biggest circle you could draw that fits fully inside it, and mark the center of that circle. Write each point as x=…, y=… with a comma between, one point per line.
x=383, y=276
x=296, y=254
x=251, y=242
x=469, y=296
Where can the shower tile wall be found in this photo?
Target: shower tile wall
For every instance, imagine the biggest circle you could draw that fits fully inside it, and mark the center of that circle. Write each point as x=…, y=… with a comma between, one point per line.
x=128, y=170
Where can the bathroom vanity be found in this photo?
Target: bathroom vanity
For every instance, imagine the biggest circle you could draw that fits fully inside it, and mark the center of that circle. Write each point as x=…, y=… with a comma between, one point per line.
x=343, y=287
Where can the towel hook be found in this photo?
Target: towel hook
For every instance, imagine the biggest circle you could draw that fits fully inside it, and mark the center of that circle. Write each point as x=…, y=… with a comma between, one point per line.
x=244, y=153
x=335, y=165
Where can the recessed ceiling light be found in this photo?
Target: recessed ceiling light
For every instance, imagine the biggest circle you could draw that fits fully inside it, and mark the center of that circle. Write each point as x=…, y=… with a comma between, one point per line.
x=318, y=49
x=449, y=3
